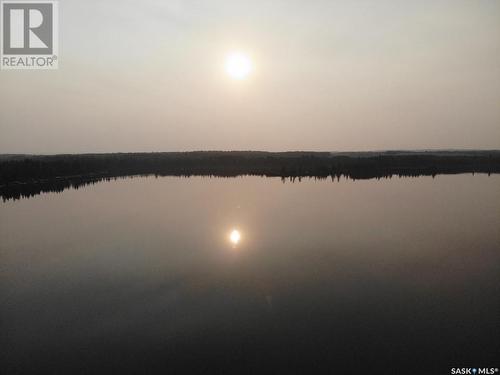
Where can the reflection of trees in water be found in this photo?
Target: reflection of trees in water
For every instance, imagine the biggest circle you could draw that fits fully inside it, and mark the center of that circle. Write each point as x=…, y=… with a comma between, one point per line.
x=23, y=177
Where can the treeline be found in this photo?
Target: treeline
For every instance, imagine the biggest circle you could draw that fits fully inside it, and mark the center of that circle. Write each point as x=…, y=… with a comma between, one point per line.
x=28, y=175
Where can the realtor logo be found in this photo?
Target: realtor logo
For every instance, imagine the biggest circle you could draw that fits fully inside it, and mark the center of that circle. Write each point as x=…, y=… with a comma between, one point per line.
x=29, y=35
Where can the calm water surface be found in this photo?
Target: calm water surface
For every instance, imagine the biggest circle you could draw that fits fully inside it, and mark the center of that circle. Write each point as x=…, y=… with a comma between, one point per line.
x=141, y=276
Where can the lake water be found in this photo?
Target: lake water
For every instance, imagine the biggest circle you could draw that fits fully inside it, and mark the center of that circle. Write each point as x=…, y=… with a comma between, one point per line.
x=140, y=276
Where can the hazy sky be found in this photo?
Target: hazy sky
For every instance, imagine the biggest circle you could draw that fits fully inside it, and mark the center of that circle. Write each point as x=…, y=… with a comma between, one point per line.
x=149, y=75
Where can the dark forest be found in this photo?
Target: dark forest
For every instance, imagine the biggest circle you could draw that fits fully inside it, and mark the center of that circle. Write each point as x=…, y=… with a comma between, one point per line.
x=27, y=175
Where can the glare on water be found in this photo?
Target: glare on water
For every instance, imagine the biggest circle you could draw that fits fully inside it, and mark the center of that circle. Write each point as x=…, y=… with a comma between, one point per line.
x=235, y=237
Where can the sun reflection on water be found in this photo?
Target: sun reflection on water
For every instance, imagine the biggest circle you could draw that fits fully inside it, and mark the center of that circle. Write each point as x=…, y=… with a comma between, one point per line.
x=235, y=237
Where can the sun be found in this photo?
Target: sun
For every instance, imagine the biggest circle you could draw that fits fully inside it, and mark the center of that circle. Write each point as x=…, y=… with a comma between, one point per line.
x=238, y=65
